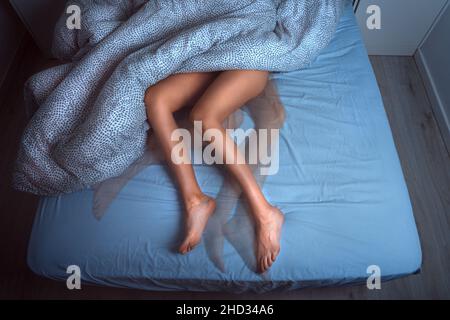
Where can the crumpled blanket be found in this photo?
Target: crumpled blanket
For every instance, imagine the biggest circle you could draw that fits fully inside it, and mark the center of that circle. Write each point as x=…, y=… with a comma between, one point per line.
x=90, y=123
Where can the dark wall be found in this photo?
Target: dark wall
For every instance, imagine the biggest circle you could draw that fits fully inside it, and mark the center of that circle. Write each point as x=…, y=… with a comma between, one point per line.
x=39, y=17
x=12, y=33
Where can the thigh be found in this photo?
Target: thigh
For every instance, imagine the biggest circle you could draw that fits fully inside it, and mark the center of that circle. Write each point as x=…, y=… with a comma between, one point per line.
x=179, y=90
x=229, y=91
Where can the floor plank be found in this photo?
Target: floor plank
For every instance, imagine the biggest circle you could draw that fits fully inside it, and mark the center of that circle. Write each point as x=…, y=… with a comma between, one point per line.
x=425, y=162
x=426, y=166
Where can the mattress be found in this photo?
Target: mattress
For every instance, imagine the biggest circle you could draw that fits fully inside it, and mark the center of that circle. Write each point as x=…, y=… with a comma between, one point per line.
x=339, y=184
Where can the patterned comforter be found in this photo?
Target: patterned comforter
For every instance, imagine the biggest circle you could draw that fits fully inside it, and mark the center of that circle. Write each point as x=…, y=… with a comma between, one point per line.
x=90, y=123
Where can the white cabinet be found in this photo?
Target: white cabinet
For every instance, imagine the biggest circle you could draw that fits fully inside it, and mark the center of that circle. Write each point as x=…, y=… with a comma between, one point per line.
x=404, y=25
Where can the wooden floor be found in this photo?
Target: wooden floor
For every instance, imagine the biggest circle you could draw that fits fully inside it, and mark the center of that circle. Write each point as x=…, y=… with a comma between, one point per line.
x=424, y=159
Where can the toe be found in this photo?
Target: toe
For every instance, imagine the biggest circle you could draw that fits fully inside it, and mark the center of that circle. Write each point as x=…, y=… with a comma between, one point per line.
x=191, y=246
x=183, y=249
x=269, y=261
x=261, y=265
x=266, y=264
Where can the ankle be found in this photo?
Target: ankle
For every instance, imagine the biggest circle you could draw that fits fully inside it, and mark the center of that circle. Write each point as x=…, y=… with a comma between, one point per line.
x=194, y=199
x=265, y=214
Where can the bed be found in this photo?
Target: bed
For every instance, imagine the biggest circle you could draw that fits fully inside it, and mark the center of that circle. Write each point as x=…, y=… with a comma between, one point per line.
x=340, y=186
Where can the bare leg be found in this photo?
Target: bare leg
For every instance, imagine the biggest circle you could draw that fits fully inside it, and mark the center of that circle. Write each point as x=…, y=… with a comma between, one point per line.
x=229, y=91
x=267, y=112
x=162, y=100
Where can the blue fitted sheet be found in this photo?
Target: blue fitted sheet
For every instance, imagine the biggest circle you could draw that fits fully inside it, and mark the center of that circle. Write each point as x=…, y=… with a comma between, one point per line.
x=340, y=186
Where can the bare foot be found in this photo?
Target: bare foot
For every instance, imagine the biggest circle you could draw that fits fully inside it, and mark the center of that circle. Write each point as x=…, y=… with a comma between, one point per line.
x=268, y=235
x=197, y=215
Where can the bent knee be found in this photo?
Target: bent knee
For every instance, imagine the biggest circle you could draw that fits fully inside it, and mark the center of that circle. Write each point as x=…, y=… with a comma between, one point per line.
x=155, y=100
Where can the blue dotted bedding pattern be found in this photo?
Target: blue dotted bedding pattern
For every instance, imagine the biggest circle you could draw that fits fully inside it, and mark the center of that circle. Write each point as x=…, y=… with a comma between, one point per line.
x=340, y=186
x=90, y=122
